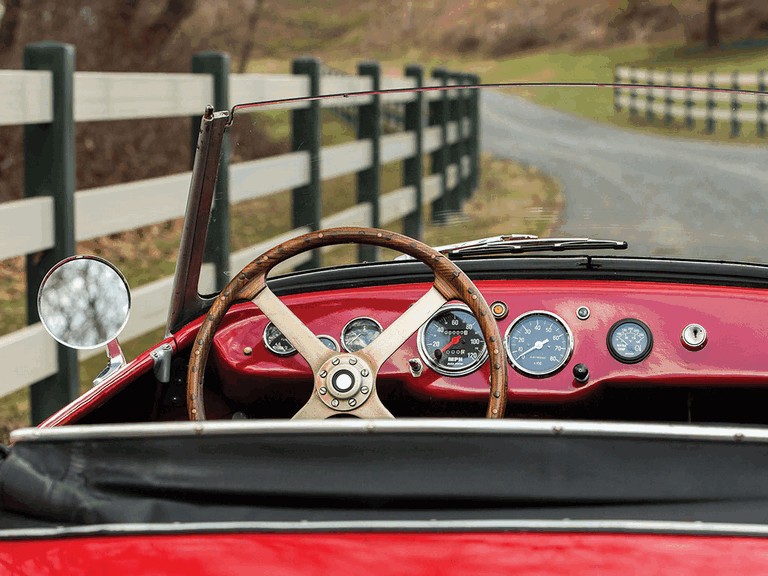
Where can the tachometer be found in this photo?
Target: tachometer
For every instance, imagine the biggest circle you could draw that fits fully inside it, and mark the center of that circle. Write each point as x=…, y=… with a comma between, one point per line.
x=358, y=333
x=451, y=342
x=538, y=343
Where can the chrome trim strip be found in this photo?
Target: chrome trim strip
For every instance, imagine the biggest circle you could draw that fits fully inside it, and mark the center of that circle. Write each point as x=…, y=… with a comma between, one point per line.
x=564, y=428
x=346, y=526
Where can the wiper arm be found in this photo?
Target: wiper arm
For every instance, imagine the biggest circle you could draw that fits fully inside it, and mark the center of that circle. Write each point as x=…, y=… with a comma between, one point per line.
x=515, y=245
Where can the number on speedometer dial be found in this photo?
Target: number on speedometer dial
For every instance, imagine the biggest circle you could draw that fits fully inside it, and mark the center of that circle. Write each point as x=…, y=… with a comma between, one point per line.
x=451, y=342
x=538, y=343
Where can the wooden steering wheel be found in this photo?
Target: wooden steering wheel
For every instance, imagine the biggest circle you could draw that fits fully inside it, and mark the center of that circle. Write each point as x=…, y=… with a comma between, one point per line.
x=345, y=382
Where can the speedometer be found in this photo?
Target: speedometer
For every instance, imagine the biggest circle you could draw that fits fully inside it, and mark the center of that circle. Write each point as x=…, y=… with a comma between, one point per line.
x=538, y=343
x=451, y=342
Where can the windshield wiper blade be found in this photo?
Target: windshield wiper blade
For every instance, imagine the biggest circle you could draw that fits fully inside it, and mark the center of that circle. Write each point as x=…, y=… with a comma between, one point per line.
x=513, y=245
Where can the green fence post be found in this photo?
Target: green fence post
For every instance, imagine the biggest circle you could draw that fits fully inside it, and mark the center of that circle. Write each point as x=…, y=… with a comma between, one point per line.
x=616, y=90
x=49, y=170
x=413, y=167
x=633, y=92
x=305, y=137
x=369, y=180
x=438, y=116
x=475, y=133
x=470, y=138
x=668, y=102
x=649, y=97
x=711, y=104
x=761, y=104
x=217, y=246
x=462, y=146
x=455, y=196
x=735, y=106
x=689, y=121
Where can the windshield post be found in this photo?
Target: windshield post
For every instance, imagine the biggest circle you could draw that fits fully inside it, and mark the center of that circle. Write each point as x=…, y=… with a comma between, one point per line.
x=186, y=301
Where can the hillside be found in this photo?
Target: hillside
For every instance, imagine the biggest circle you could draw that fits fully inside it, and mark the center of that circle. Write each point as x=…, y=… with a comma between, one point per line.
x=139, y=35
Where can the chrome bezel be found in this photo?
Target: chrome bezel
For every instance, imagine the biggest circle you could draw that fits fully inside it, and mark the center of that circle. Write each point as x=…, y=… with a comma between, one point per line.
x=525, y=371
x=434, y=365
x=269, y=346
x=348, y=324
x=332, y=339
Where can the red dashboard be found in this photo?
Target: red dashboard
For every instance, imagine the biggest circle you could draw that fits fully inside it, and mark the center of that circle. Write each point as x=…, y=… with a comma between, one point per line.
x=729, y=354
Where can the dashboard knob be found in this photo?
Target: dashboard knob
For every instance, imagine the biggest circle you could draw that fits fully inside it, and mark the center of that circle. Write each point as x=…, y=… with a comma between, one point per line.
x=581, y=373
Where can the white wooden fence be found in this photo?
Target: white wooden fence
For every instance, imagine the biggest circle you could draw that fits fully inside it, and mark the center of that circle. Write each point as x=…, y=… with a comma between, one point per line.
x=709, y=105
x=30, y=355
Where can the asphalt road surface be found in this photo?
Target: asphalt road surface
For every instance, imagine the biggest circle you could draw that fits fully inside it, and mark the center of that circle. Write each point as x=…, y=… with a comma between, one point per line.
x=665, y=196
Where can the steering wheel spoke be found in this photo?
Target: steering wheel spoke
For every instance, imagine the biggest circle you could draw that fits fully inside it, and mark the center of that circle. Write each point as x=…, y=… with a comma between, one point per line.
x=297, y=333
x=404, y=327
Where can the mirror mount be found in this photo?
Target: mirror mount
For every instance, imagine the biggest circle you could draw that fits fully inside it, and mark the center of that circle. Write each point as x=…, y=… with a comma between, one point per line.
x=115, y=362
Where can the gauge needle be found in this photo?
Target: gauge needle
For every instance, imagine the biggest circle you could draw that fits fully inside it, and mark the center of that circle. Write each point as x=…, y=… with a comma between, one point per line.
x=455, y=340
x=538, y=346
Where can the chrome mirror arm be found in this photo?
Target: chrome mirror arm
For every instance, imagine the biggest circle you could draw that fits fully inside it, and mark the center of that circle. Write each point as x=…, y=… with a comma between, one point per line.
x=115, y=361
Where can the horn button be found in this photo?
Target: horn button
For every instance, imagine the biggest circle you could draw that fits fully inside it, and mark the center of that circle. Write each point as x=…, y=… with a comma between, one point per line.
x=344, y=382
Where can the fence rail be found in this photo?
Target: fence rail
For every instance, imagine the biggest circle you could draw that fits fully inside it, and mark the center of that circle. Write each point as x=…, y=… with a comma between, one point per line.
x=708, y=104
x=49, y=98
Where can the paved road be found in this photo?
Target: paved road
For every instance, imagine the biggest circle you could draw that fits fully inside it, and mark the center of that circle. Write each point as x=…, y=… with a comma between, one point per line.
x=665, y=196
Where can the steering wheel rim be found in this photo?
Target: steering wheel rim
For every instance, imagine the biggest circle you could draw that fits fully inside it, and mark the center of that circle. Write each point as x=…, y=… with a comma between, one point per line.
x=361, y=368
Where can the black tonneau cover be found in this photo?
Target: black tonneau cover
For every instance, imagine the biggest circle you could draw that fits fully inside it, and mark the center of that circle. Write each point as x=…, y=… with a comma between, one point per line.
x=395, y=470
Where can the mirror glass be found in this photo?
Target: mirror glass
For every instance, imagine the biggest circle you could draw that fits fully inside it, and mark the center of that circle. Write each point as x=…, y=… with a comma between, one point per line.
x=84, y=302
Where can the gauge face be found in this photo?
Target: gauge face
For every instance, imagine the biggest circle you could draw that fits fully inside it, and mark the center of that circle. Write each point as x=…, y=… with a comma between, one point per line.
x=538, y=343
x=358, y=333
x=276, y=342
x=630, y=341
x=451, y=342
x=329, y=342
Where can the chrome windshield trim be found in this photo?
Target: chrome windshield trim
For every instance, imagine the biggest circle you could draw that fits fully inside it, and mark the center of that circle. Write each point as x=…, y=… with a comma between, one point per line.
x=186, y=302
x=563, y=428
x=429, y=526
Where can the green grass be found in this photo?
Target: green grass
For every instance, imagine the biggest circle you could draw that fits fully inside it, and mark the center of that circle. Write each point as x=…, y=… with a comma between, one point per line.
x=598, y=66
x=595, y=65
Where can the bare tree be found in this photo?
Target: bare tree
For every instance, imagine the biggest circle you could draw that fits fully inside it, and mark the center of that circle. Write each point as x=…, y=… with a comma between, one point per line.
x=167, y=22
x=713, y=31
x=9, y=25
x=254, y=17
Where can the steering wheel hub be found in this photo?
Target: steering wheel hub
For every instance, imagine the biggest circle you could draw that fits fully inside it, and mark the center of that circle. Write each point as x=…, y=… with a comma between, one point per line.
x=344, y=382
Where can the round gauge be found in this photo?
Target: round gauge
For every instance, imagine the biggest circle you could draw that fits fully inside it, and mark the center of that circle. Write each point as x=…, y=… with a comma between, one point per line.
x=276, y=342
x=630, y=341
x=451, y=342
x=329, y=342
x=358, y=333
x=538, y=343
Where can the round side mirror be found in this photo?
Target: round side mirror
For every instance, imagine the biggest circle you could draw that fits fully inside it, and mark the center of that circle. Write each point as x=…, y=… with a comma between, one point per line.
x=84, y=302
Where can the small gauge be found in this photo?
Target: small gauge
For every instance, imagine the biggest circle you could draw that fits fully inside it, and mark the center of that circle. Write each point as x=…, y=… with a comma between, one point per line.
x=451, y=342
x=329, y=342
x=358, y=333
x=629, y=341
x=276, y=342
x=538, y=343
